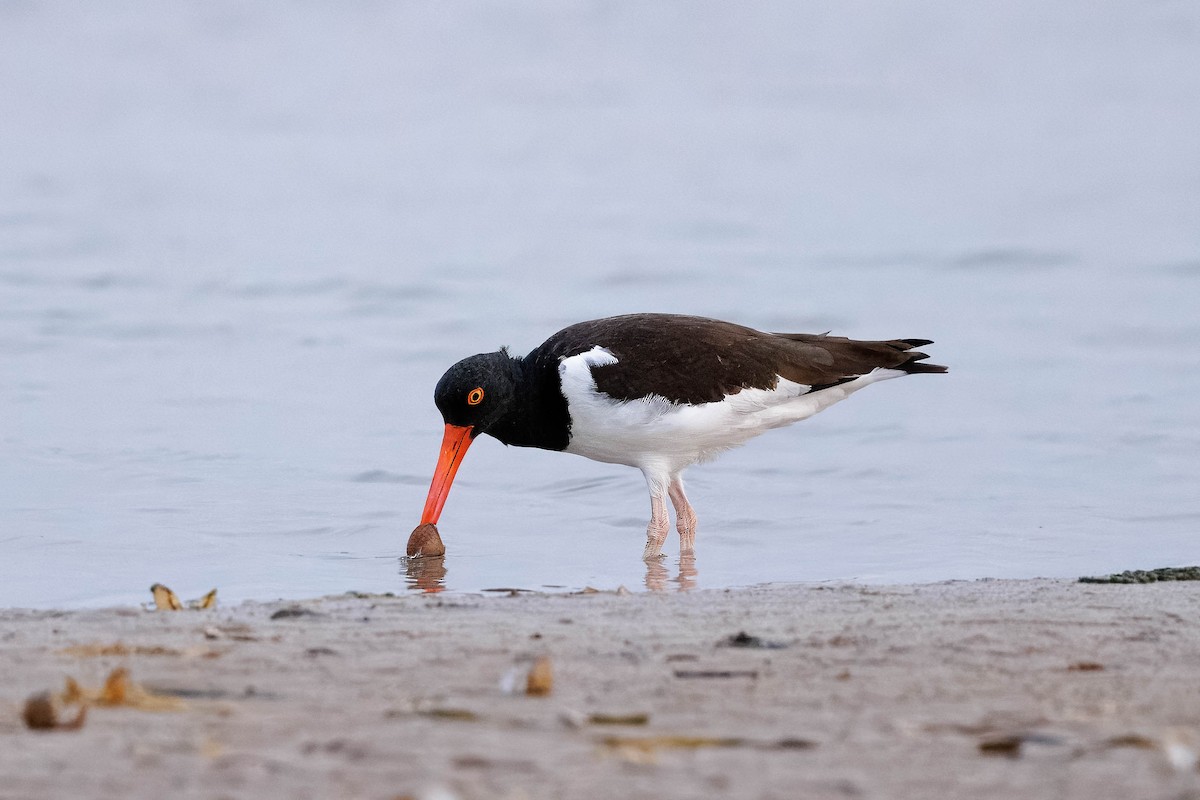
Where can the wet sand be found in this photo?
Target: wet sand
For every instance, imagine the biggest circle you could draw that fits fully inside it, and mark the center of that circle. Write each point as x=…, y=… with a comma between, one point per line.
x=968, y=689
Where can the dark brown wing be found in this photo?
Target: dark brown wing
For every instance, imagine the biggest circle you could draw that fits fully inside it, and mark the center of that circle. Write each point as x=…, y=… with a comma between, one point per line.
x=697, y=360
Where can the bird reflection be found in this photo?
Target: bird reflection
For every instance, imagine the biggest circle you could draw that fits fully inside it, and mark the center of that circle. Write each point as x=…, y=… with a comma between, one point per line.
x=687, y=572
x=428, y=574
x=658, y=576
x=425, y=573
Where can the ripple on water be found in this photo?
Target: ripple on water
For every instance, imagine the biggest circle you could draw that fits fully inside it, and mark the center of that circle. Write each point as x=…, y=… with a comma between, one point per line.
x=1188, y=269
x=273, y=289
x=384, y=476
x=394, y=300
x=1010, y=259
x=579, y=485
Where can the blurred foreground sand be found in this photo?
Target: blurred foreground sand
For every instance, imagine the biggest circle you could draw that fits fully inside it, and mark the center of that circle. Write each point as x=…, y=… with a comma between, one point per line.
x=956, y=690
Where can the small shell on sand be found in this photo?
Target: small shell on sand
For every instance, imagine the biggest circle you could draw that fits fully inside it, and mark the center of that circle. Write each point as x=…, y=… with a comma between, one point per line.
x=426, y=541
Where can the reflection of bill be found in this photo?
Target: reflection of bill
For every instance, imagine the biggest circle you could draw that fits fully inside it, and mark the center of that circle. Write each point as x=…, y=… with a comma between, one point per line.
x=426, y=574
x=658, y=576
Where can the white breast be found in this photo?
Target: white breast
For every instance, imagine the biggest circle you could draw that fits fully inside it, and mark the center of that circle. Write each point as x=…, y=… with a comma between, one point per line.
x=656, y=434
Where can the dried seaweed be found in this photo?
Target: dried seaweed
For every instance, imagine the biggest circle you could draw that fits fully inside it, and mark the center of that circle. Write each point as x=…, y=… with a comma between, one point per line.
x=641, y=718
x=1148, y=575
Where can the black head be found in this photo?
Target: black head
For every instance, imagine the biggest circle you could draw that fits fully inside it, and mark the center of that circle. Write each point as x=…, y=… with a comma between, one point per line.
x=477, y=391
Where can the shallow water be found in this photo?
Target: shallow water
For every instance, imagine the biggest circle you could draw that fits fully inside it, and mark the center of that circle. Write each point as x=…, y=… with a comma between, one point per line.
x=239, y=244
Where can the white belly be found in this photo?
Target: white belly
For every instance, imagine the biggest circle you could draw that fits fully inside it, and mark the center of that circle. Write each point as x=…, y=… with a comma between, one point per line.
x=660, y=436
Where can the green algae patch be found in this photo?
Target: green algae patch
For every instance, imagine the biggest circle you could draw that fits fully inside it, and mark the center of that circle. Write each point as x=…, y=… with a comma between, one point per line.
x=1148, y=575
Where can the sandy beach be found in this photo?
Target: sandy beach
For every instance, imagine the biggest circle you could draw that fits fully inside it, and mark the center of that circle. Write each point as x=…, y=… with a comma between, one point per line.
x=967, y=689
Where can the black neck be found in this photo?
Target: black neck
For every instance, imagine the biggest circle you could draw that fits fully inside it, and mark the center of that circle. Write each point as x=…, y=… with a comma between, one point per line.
x=539, y=415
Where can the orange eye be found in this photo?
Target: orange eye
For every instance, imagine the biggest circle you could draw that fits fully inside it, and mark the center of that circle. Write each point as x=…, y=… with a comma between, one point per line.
x=475, y=396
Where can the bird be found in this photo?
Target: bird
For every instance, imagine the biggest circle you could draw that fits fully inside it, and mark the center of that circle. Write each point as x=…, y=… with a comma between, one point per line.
x=659, y=392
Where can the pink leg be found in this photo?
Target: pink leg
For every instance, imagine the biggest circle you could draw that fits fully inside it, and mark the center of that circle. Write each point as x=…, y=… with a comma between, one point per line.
x=685, y=516
x=656, y=532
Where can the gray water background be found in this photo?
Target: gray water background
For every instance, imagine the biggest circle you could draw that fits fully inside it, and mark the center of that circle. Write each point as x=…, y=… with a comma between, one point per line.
x=239, y=243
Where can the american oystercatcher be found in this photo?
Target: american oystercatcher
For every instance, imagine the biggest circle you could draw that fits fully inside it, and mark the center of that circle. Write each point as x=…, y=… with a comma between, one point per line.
x=659, y=392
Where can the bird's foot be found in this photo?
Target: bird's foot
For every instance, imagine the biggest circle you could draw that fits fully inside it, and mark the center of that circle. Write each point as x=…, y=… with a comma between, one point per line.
x=653, y=551
x=656, y=537
x=656, y=531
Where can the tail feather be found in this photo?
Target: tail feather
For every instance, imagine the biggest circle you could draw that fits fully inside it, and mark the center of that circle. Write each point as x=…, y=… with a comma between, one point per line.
x=913, y=365
x=838, y=359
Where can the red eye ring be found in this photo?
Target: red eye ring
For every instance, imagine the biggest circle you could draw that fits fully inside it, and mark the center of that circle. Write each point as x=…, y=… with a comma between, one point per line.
x=475, y=396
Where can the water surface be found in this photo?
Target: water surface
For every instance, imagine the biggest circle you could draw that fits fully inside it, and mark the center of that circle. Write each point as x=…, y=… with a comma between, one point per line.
x=239, y=244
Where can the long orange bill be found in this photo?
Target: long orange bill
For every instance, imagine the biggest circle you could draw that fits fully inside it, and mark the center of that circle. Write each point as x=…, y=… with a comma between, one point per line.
x=454, y=446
